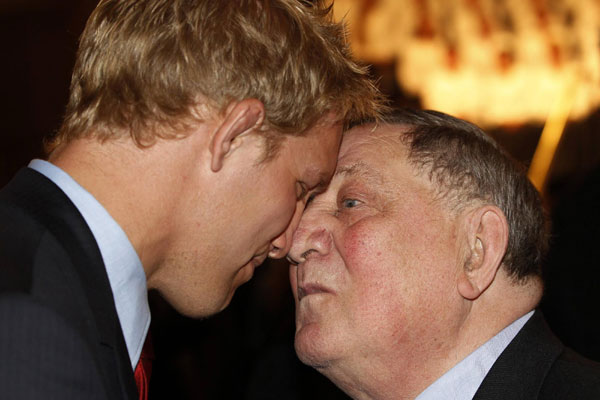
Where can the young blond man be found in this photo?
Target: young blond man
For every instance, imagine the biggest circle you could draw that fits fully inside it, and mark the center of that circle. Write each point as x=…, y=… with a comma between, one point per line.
x=194, y=133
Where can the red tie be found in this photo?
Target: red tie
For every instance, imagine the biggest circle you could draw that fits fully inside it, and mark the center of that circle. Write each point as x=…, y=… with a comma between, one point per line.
x=143, y=370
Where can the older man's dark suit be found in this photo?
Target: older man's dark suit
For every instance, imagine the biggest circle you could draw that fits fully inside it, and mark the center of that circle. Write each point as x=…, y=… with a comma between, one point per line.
x=536, y=365
x=60, y=336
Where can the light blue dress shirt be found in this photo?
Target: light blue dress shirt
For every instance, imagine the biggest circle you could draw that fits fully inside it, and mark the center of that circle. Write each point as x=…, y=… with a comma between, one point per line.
x=123, y=266
x=462, y=381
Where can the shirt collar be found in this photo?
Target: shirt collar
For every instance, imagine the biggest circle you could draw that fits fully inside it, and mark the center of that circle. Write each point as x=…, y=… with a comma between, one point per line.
x=123, y=266
x=462, y=381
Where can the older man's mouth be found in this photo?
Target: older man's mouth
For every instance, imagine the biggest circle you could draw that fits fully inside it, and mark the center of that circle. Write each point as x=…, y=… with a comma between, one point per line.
x=311, y=288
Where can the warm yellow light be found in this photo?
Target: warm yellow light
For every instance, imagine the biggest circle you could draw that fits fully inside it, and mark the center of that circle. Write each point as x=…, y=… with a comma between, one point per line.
x=553, y=130
x=488, y=61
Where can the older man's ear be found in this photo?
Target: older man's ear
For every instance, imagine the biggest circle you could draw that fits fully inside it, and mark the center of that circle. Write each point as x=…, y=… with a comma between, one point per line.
x=485, y=241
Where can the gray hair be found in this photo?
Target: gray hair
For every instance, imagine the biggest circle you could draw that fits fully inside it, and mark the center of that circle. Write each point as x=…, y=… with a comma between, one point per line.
x=468, y=167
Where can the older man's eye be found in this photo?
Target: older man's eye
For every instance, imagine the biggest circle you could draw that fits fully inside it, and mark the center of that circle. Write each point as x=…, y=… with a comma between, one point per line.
x=350, y=203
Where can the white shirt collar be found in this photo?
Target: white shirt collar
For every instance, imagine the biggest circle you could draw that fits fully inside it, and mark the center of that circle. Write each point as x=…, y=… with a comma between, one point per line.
x=123, y=266
x=462, y=381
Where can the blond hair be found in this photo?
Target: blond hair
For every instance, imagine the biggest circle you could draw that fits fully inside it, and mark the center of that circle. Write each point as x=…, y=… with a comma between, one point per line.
x=143, y=66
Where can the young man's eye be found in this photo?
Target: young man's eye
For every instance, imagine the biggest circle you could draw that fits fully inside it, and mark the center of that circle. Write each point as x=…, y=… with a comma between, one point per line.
x=301, y=190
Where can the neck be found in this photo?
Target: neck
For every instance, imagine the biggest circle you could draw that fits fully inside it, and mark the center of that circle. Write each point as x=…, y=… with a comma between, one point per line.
x=399, y=369
x=136, y=186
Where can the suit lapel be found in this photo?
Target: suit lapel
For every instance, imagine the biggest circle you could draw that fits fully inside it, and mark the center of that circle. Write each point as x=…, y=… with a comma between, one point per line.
x=46, y=202
x=520, y=370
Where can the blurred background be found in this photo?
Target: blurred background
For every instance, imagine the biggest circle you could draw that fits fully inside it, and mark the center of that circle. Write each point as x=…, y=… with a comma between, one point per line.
x=527, y=71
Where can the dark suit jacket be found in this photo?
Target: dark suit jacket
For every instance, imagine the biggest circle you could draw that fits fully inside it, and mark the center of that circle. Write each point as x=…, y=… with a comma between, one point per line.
x=536, y=365
x=60, y=336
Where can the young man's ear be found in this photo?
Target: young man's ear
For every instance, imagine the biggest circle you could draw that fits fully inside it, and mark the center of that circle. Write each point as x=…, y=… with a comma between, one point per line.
x=486, y=231
x=240, y=117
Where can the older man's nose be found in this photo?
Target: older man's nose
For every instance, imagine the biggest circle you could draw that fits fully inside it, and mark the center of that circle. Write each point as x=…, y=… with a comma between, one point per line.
x=310, y=238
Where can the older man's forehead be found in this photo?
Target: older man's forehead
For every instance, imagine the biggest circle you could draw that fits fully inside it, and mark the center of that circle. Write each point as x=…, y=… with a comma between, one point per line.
x=385, y=139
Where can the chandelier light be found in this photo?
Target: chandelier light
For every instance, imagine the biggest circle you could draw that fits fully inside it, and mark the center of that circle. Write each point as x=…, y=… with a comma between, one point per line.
x=493, y=62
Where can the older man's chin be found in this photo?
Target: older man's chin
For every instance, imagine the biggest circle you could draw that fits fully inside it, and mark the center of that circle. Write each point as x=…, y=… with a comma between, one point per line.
x=314, y=361
x=311, y=349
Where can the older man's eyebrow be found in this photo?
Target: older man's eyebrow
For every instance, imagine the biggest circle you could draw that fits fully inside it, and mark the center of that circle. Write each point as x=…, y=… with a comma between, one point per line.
x=360, y=169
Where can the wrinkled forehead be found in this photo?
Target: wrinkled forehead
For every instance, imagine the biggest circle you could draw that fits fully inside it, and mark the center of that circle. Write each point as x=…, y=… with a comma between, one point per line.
x=370, y=154
x=383, y=142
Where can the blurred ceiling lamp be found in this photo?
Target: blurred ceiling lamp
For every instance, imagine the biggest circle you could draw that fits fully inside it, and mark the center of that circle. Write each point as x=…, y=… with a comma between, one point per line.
x=493, y=62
